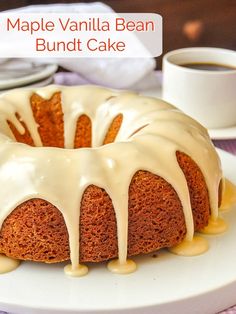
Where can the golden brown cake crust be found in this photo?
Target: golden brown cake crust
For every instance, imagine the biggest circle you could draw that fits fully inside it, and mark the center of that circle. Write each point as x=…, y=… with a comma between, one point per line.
x=36, y=230
x=113, y=129
x=198, y=190
x=83, y=133
x=48, y=115
x=21, y=138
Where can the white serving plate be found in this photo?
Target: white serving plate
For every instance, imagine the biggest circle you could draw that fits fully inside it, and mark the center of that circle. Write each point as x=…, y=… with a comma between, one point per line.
x=223, y=133
x=164, y=285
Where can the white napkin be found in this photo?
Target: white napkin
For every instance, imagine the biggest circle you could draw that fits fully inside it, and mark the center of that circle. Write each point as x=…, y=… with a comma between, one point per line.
x=112, y=72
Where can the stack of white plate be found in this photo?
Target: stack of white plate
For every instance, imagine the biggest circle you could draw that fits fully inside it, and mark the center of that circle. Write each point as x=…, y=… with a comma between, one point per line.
x=16, y=73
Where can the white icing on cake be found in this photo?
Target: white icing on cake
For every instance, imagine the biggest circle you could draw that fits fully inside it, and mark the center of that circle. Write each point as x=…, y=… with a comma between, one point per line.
x=60, y=176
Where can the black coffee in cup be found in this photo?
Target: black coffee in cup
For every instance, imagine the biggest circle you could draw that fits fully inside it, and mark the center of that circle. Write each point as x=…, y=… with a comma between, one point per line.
x=208, y=66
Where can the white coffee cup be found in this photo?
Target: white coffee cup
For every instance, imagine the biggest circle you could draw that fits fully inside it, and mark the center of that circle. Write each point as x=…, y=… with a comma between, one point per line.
x=207, y=96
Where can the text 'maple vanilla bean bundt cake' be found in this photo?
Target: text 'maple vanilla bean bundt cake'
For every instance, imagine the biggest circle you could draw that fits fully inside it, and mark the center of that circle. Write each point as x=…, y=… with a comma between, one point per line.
x=91, y=174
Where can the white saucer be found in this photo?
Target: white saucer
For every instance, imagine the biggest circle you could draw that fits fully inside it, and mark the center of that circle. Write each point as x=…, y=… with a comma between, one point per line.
x=215, y=134
x=167, y=284
x=223, y=133
x=20, y=72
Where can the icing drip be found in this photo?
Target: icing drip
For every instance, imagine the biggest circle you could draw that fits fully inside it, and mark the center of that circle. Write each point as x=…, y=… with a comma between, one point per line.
x=228, y=195
x=79, y=271
x=127, y=267
x=196, y=246
x=215, y=226
x=162, y=131
x=7, y=264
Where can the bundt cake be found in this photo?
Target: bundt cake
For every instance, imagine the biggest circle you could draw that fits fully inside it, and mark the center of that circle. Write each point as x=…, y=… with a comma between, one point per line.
x=90, y=174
